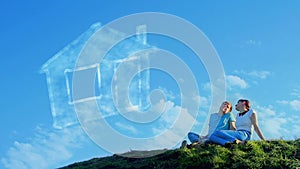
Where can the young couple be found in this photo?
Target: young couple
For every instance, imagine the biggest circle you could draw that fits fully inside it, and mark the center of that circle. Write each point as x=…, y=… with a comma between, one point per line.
x=224, y=129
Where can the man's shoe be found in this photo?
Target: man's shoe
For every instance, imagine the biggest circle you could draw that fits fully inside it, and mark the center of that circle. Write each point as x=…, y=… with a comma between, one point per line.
x=228, y=145
x=183, y=144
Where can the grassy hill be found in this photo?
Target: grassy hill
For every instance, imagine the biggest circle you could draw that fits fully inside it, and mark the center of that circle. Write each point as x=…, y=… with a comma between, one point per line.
x=255, y=154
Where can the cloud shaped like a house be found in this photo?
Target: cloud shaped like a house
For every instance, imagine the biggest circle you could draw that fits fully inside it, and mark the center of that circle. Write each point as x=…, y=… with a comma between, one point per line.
x=60, y=68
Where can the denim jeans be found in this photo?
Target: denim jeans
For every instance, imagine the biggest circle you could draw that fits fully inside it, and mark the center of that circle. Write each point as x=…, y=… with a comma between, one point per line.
x=224, y=136
x=193, y=137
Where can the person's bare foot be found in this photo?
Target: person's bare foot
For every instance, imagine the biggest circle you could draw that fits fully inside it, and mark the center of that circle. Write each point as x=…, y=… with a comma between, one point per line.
x=240, y=141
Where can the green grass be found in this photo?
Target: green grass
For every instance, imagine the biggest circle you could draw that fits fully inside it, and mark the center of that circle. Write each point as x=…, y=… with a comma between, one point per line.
x=276, y=154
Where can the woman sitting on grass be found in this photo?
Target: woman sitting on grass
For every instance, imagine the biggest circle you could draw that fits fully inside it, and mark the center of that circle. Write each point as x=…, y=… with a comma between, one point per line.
x=246, y=121
x=222, y=120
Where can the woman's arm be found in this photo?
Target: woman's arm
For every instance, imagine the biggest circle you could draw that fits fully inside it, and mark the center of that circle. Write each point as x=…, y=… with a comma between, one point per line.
x=256, y=127
x=232, y=125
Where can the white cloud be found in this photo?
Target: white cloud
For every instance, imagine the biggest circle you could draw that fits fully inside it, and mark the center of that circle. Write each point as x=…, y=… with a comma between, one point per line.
x=170, y=117
x=295, y=93
x=294, y=125
x=272, y=123
x=253, y=42
x=204, y=102
x=295, y=104
x=206, y=86
x=106, y=109
x=260, y=74
x=46, y=149
x=276, y=124
x=161, y=133
x=284, y=102
x=235, y=81
x=254, y=74
x=177, y=132
x=168, y=94
x=267, y=111
x=275, y=127
x=295, y=131
x=129, y=128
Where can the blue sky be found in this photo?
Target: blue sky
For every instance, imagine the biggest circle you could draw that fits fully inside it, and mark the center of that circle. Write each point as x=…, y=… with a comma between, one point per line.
x=257, y=42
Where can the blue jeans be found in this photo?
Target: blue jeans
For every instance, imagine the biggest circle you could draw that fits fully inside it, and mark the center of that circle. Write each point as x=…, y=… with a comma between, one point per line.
x=193, y=137
x=224, y=136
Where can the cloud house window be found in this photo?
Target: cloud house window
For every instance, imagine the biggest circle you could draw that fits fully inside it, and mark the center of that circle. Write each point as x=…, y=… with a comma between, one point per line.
x=87, y=84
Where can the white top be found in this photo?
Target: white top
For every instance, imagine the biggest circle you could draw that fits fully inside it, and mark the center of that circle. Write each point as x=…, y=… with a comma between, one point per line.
x=244, y=122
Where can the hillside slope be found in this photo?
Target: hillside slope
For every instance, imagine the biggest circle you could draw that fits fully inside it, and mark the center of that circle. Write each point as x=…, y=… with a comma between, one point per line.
x=255, y=154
